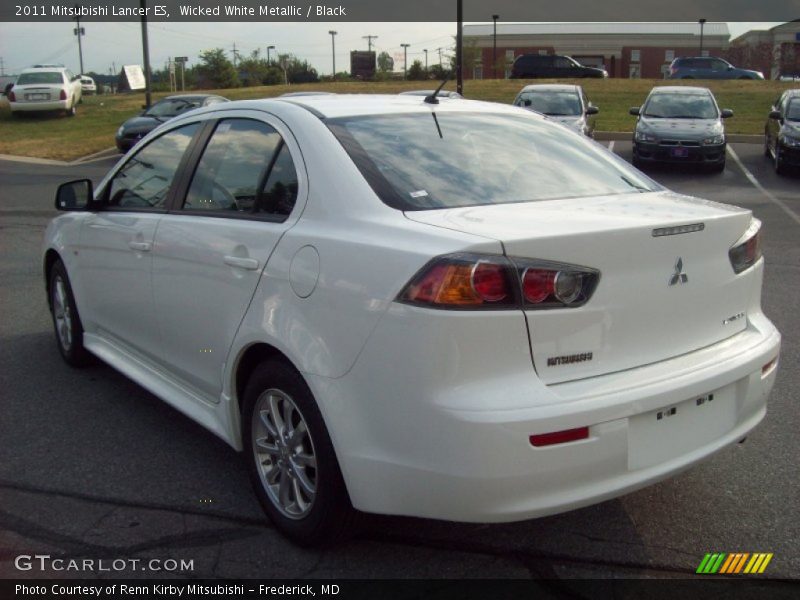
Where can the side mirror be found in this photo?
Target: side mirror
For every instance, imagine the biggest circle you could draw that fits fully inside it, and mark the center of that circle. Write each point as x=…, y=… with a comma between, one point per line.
x=775, y=114
x=526, y=103
x=634, y=111
x=726, y=113
x=730, y=67
x=74, y=195
x=592, y=110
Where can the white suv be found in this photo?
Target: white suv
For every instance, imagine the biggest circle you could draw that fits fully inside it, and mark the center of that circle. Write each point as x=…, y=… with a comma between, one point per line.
x=44, y=88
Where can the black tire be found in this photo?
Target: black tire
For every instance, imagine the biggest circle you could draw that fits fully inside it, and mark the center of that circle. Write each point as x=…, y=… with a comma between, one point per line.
x=717, y=167
x=637, y=162
x=329, y=516
x=65, y=315
x=780, y=167
x=70, y=112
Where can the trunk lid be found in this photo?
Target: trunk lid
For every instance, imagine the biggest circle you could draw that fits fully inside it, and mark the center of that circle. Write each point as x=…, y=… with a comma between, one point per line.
x=635, y=316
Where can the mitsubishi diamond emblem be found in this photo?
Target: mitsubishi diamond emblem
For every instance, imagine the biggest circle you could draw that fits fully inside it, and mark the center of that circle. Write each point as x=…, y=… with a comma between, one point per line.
x=679, y=276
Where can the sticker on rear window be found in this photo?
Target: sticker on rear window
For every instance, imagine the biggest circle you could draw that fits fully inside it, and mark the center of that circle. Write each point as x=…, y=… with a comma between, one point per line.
x=418, y=194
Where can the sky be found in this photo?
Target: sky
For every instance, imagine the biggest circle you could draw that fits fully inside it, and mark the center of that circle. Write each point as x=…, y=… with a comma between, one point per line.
x=109, y=45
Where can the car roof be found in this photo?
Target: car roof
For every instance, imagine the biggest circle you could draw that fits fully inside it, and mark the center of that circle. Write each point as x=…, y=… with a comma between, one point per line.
x=680, y=89
x=550, y=87
x=349, y=105
x=191, y=97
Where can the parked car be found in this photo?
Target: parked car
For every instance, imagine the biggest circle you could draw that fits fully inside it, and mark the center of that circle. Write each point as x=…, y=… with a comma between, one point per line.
x=789, y=76
x=88, y=86
x=782, y=132
x=134, y=129
x=475, y=317
x=45, y=88
x=680, y=124
x=541, y=66
x=566, y=104
x=426, y=93
x=708, y=67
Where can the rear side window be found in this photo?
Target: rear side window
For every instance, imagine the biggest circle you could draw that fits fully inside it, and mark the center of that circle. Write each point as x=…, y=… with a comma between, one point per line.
x=246, y=170
x=144, y=181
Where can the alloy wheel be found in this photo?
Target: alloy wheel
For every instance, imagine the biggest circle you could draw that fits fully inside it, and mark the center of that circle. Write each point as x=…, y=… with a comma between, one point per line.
x=62, y=314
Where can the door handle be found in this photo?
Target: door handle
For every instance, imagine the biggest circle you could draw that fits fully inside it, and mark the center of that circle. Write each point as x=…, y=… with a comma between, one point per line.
x=251, y=264
x=140, y=246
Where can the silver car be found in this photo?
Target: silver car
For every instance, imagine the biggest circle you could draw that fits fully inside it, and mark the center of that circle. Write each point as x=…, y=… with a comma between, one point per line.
x=566, y=104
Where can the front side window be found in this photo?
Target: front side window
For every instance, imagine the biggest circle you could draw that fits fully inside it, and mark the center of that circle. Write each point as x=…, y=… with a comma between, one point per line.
x=144, y=181
x=680, y=106
x=246, y=169
x=418, y=162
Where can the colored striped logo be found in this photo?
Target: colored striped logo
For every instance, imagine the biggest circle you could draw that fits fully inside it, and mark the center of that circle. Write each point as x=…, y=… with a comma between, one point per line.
x=734, y=563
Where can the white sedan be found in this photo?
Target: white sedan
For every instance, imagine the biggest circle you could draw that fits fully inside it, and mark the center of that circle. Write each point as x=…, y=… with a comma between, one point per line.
x=438, y=308
x=44, y=88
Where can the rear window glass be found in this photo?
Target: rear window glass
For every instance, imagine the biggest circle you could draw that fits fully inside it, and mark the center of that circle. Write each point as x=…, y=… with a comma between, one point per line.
x=41, y=77
x=422, y=161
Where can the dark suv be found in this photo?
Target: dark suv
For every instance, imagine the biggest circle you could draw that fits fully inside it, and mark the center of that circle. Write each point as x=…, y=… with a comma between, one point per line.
x=540, y=66
x=708, y=67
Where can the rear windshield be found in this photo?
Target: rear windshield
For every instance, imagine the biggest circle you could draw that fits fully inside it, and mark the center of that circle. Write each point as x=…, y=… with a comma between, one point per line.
x=552, y=103
x=41, y=77
x=680, y=106
x=427, y=161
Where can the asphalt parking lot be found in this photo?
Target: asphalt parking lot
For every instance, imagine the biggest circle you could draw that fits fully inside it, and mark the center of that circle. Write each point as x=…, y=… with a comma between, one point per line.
x=93, y=466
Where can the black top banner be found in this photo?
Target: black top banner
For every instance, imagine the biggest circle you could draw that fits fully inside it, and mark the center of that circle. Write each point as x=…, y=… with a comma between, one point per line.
x=509, y=11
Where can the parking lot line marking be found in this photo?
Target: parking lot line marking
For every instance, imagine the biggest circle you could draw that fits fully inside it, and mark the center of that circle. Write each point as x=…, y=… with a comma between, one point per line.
x=611, y=145
x=761, y=188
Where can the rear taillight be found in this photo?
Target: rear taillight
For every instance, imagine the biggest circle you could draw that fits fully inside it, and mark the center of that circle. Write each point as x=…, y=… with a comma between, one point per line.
x=747, y=250
x=62, y=95
x=12, y=97
x=470, y=281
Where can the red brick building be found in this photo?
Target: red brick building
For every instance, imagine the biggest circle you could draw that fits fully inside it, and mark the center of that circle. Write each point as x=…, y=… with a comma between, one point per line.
x=638, y=50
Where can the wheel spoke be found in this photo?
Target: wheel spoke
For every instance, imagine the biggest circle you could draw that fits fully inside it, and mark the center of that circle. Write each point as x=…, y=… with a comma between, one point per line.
x=272, y=474
x=270, y=427
x=304, y=460
x=302, y=505
x=275, y=413
x=283, y=490
x=266, y=447
x=297, y=435
x=305, y=484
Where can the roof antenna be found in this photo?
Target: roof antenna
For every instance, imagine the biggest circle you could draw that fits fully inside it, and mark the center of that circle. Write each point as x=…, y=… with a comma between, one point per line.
x=432, y=99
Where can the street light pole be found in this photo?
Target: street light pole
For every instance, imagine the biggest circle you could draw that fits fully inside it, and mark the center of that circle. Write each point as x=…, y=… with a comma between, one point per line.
x=426, y=59
x=405, y=60
x=269, y=62
x=333, y=49
x=494, y=47
x=460, y=47
x=702, y=23
x=146, y=54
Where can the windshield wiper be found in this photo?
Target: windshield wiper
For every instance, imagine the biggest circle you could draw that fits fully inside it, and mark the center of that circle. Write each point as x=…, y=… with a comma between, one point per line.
x=634, y=185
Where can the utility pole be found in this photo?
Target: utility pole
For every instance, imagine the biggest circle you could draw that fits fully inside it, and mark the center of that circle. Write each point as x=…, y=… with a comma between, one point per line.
x=494, y=47
x=146, y=53
x=405, y=60
x=235, y=54
x=79, y=31
x=333, y=50
x=269, y=62
x=369, y=39
x=702, y=23
x=2, y=67
x=426, y=59
x=439, y=50
x=459, y=47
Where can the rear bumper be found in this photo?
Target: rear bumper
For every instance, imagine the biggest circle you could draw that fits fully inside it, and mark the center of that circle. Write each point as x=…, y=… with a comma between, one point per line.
x=443, y=432
x=39, y=106
x=708, y=155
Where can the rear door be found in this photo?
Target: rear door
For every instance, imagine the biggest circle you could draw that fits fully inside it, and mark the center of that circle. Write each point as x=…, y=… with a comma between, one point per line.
x=247, y=190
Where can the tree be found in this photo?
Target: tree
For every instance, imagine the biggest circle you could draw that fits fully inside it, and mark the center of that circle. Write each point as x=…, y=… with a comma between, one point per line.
x=216, y=71
x=253, y=70
x=416, y=71
x=385, y=63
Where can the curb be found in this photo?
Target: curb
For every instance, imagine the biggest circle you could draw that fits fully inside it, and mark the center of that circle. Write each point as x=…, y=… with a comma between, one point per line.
x=107, y=153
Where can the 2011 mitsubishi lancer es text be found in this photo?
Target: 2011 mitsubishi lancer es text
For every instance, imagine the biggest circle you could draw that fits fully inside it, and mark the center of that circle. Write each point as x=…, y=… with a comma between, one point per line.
x=416, y=306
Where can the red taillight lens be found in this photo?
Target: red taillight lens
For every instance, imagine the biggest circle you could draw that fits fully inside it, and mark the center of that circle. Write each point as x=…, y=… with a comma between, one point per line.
x=747, y=250
x=472, y=281
x=12, y=97
x=559, y=437
x=490, y=282
x=62, y=95
x=538, y=284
